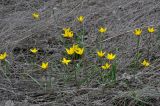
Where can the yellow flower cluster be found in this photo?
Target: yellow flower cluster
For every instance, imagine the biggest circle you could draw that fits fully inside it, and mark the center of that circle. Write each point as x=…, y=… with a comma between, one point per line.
x=44, y=65
x=138, y=31
x=67, y=33
x=75, y=49
x=72, y=50
x=110, y=56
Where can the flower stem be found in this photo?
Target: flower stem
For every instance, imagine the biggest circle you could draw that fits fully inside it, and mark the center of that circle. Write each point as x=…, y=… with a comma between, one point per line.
x=76, y=79
x=82, y=36
x=101, y=38
x=149, y=46
x=138, y=41
x=137, y=54
x=5, y=70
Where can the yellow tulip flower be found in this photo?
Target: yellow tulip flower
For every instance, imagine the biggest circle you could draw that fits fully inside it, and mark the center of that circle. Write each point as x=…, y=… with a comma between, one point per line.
x=80, y=18
x=65, y=61
x=66, y=29
x=34, y=50
x=75, y=49
x=79, y=51
x=106, y=66
x=75, y=46
x=70, y=51
x=36, y=15
x=151, y=29
x=137, y=32
x=44, y=65
x=67, y=33
x=100, y=53
x=111, y=56
x=145, y=63
x=3, y=56
x=102, y=29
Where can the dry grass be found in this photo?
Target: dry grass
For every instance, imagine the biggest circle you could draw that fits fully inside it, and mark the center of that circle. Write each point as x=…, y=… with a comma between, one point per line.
x=19, y=32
